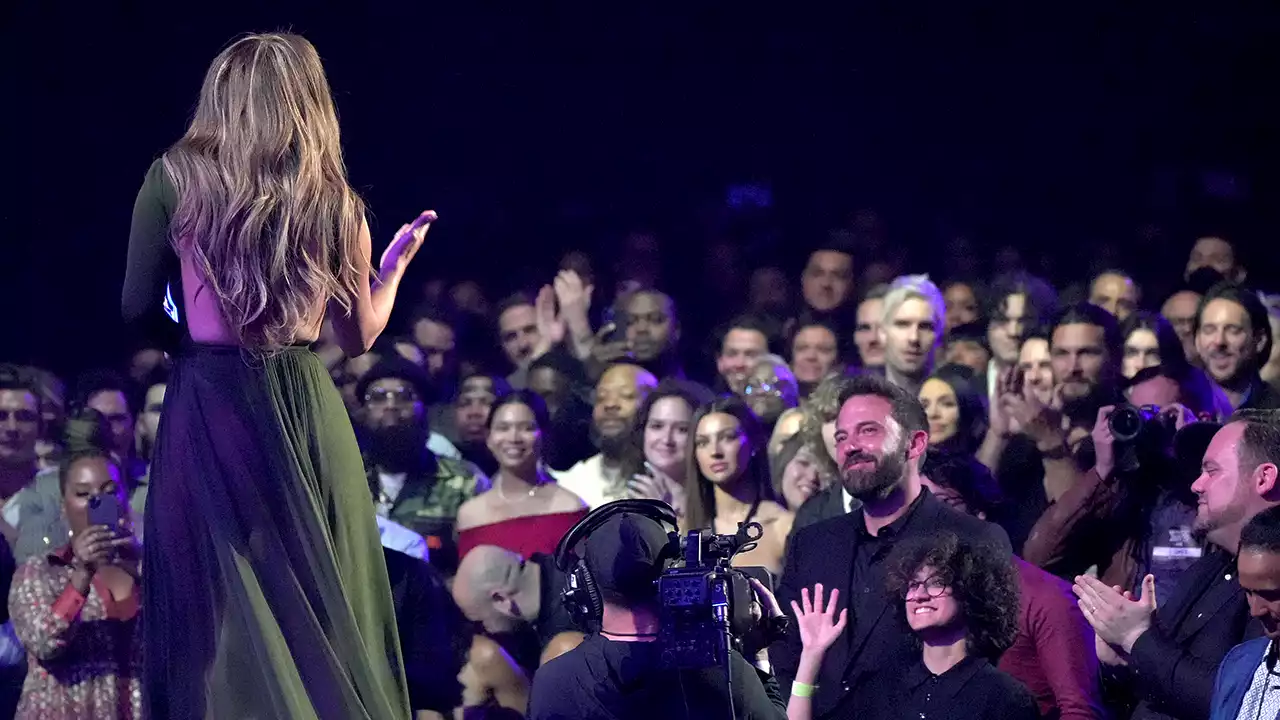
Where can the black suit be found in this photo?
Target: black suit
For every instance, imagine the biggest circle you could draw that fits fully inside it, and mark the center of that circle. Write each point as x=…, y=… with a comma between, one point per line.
x=826, y=552
x=825, y=505
x=1173, y=665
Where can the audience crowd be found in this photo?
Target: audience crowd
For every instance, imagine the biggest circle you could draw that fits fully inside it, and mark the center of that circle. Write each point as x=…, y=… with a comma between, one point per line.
x=1033, y=501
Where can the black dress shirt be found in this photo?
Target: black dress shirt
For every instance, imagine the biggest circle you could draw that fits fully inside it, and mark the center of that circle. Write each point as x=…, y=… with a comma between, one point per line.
x=973, y=689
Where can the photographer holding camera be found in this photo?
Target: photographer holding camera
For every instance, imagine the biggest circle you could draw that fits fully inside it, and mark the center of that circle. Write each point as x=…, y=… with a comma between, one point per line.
x=621, y=561
x=1132, y=514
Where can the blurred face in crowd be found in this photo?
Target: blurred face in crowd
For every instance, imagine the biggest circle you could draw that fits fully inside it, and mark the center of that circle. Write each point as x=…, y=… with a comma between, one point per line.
x=19, y=427
x=770, y=390
x=813, y=353
x=866, y=334
x=1227, y=341
x=769, y=289
x=471, y=409
x=1079, y=356
x=1158, y=391
x=149, y=418
x=738, y=355
x=969, y=353
x=437, y=342
x=801, y=478
x=1216, y=253
x=144, y=361
x=468, y=296
x=1141, y=351
x=911, y=338
x=348, y=376
x=871, y=447
x=1036, y=365
x=115, y=408
x=392, y=402
x=515, y=438
x=827, y=279
x=518, y=333
x=1180, y=310
x=618, y=395
x=651, y=325
x=962, y=304
x=1259, y=570
x=942, y=409
x=666, y=435
x=1225, y=486
x=552, y=385
x=89, y=478
x=721, y=448
x=1114, y=293
x=1007, y=328
x=931, y=605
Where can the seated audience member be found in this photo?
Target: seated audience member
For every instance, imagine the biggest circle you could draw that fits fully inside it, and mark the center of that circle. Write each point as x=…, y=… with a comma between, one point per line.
x=1163, y=654
x=967, y=345
x=1149, y=340
x=796, y=473
x=149, y=419
x=744, y=341
x=771, y=389
x=525, y=511
x=1270, y=372
x=788, y=426
x=1233, y=337
x=1133, y=513
x=1116, y=292
x=434, y=636
x=727, y=481
x=816, y=353
x=76, y=608
x=1052, y=652
x=955, y=403
x=960, y=603
x=867, y=334
x=654, y=463
x=598, y=479
x=818, y=428
x=1247, y=676
x=881, y=437
x=51, y=394
x=412, y=486
x=476, y=397
x=652, y=329
x=914, y=315
x=21, y=428
x=1180, y=310
x=964, y=305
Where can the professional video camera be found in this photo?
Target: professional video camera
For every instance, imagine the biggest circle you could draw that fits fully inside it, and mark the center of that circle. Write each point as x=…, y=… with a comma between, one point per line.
x=706, y=604
x=1140, y=432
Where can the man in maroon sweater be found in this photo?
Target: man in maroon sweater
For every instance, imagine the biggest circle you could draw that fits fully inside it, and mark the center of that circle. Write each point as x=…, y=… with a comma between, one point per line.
x=1053, y=652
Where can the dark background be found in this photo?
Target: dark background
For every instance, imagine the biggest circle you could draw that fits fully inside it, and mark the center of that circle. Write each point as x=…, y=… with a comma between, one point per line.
x=534, y=130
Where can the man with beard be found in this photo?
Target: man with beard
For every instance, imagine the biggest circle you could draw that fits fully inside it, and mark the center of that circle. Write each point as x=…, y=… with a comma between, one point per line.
x=597, y=480
x=1161, y=653
x=1233, y=338
x=881, y=438
x=1044, y=448
x=411, y=485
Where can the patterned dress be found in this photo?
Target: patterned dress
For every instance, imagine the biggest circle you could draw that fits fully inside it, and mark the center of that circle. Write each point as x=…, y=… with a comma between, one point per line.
x=84, y=654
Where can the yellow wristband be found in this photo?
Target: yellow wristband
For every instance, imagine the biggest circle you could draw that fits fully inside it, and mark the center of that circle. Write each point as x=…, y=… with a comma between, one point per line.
x=803, y=690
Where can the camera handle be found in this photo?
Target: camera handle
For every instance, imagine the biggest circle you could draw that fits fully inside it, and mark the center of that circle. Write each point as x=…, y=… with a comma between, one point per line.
x=724, y=632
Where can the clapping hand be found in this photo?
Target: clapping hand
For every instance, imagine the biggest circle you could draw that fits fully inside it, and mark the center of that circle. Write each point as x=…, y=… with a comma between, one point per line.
x=405, y=245
x=657, y=485
x=818, y=625
x=1117, y=618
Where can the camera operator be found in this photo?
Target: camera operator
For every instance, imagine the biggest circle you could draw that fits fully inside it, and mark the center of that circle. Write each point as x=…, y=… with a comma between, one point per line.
x=1133, y=512
x=618, y=671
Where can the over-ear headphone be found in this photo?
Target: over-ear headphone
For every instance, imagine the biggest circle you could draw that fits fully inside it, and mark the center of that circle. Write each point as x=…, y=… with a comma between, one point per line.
x=580, y=595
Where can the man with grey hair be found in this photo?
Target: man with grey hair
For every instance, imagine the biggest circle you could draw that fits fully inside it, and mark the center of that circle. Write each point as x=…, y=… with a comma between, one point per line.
x=914, y=315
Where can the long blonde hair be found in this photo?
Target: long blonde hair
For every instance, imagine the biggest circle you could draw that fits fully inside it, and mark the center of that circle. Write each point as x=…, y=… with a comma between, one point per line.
x=265, y=214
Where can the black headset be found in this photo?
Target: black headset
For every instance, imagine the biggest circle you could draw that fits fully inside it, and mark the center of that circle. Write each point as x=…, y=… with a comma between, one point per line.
x=580, y=596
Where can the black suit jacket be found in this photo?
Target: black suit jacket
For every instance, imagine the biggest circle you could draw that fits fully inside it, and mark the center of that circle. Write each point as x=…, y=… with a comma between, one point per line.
x=824, y=553
x=825, y=505
x=1173, y=665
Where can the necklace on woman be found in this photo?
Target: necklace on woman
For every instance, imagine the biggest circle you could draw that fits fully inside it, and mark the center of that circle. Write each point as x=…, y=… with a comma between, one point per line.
x=498, y=485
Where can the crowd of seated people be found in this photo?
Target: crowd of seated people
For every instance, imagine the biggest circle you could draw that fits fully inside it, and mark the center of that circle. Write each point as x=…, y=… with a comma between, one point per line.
x=846, y=420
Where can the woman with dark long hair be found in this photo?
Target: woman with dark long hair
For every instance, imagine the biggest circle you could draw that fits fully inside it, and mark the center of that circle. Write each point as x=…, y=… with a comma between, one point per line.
x=955, y=401
x=727, y=481
x=655, y=461
x=267, y=592
x=1149, y=340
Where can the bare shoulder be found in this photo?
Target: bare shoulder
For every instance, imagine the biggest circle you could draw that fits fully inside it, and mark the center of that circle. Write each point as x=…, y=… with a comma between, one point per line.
x=771, y=512
x=472, y=512
x=563, y=500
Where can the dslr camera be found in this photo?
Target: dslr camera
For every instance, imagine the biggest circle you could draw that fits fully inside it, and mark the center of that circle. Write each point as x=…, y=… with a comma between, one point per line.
x=706, y=604
x=1140, y=432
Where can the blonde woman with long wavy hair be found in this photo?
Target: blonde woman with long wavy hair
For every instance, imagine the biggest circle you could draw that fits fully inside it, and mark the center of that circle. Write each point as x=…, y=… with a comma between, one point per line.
x=266, y=593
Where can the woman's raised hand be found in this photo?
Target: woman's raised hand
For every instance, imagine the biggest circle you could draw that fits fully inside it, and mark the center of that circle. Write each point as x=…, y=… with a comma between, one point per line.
x=405, y=245
x=818, y=625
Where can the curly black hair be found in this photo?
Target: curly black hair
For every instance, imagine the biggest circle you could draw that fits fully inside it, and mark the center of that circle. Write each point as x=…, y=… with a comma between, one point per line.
x=982, y=582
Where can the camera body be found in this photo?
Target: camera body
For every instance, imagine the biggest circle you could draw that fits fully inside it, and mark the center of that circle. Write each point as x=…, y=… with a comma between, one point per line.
x=1140, y=432
x=706, y=604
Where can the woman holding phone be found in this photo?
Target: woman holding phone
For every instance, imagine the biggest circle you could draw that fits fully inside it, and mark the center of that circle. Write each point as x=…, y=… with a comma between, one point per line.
x=77, y=609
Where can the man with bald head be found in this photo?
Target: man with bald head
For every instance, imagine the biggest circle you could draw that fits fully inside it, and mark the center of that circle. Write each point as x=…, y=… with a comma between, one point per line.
x=621, y=389
x=505, y=593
